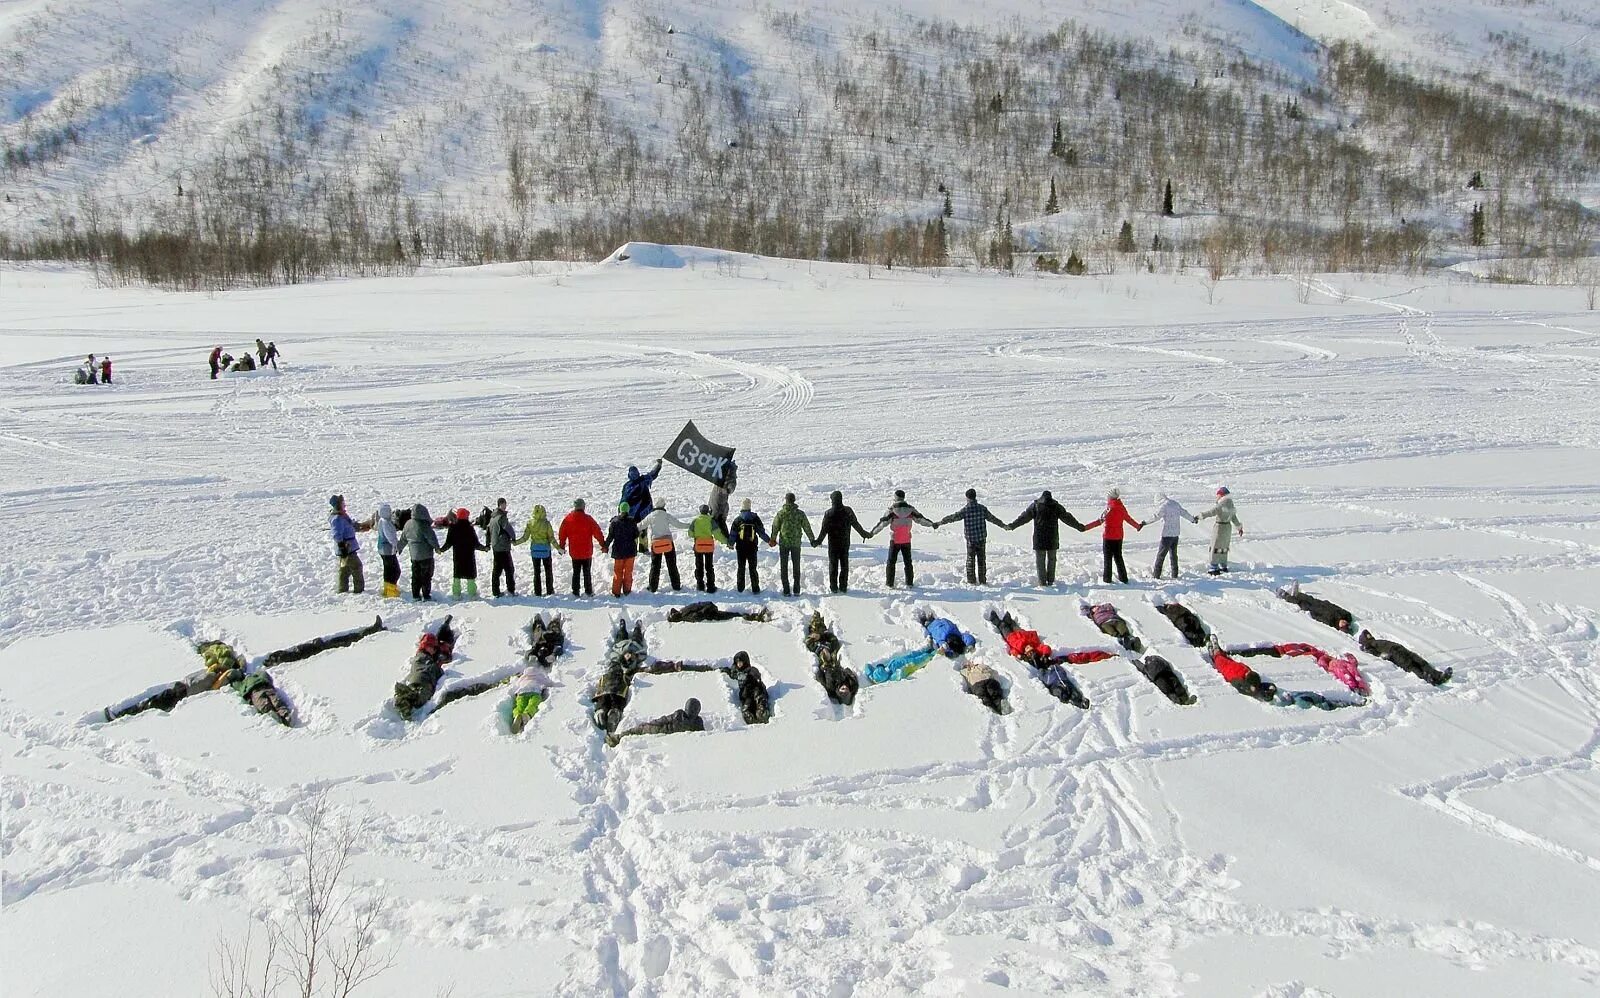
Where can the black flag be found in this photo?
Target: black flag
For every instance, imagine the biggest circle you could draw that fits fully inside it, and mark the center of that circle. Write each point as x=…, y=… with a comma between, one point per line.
x=699, y=456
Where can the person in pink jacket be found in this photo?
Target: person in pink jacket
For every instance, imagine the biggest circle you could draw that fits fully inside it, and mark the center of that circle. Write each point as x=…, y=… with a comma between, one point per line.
x=1113, y=520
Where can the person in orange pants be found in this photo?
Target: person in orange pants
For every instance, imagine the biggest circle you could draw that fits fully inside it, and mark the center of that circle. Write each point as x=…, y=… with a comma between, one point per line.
x=622, y=540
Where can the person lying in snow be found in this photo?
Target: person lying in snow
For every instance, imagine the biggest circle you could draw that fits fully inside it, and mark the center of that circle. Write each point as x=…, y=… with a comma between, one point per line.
x=686, y=718
x=317, y=646
x=1026, y=647
x=984, y=684
x=898, y=666
x=223, y=667
x=546, y=642
x=1165, y=678
x=839, y=682
x=625, y=657
x=1111, y=624
x=755, y=702
x=434, y=649
x=1238, y=675
x=1322, y=611
x=946, y=635
x=1186, y=622
x=707, y=612
x=1344, y=668
x=1404, y=657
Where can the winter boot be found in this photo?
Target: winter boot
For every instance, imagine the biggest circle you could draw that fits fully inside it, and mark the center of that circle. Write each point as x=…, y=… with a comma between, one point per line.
x=455, y=588
x=391, y=591
x=472, y=589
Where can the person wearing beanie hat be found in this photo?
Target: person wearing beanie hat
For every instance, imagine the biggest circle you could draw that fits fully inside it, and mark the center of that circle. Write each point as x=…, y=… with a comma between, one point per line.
x=658, y=528
x=975, y=519
x=787, y=526
x=748, y=531
x=686, y=718
x=502, y=538
x=345, y=546
x=540, y=536
x=1114, y=518
x=899, y=519
x=461, y=540
x=622, y=541
x=1047, y=515
x=579, y=533
x=706, y=535
x=1227, y=523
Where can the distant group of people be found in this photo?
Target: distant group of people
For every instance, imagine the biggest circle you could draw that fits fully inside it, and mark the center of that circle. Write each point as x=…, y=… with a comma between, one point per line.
x=93, y=372
x=642, y=525
x=265, y=353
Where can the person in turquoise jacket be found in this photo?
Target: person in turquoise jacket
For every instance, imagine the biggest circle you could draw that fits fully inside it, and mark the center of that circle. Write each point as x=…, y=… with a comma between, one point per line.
x=897, y=666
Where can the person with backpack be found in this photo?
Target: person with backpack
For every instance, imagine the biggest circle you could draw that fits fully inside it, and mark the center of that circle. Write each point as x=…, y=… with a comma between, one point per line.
x=388, y=547
x=1047, y=516
x=1113, y=519
x=657, y=527
x=577, y=538
x=461, y=539
x=900, y=518
x=540, y=537
x=748, y=532
x=835, y=528
x=502, y=538
x=706, y=535
x=622, y=541
x=420, y=542
x=975, y=519
x=343, y=531
x=1171, y=514
x=1227, y=524
x=787, y=526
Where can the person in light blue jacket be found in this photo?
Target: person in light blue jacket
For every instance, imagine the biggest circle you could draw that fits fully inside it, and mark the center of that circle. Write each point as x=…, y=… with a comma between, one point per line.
x=343, y=531
x=897, y=666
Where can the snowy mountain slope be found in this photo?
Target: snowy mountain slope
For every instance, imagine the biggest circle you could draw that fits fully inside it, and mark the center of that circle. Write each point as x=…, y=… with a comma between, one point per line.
x=1423, y=454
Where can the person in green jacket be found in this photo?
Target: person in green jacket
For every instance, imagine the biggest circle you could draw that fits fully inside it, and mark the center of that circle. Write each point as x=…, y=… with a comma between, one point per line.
x=707, y=535
x=540, y=536
x=787, y=526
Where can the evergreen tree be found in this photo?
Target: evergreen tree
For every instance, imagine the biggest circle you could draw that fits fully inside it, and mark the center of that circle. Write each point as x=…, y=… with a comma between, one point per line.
x=1074, y=265
x=1052, y=206
x=1125, y=238
x=1475, y=228
x=1057, y=146
x=1166, y=201
x=949, y=209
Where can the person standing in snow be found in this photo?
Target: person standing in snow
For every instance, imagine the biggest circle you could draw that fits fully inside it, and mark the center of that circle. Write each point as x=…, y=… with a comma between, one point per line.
x=577, y=538
x=622, y=541
x=720, y=491
x=787, y=526
x=540, y=537
x=835, y=528
x=93, y=369
x=1171, y=514
x=658, y=528
x=388, y=547
x=345, y=545
x=706, y=536
x=975, y=519
x=215, y=361
x=420, y=543
x=1227, y=523
x=261, y=352
x=900, y=518
x=105, y=370
x=1047, y=516
x=748, y=531
x=272, y=355
x=502, y=538
x=1113, y=520
x=463, y=544
x=636, y=491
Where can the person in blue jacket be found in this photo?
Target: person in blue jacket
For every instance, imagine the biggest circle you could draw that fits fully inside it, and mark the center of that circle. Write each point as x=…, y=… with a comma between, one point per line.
x=946, y=634
x=636, y=491
x=897, y=666
x=343, y=531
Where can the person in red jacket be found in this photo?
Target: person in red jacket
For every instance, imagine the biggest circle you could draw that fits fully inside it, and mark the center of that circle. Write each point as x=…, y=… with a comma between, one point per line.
x=577, y=537
x=1114, y=519
x=105, y=370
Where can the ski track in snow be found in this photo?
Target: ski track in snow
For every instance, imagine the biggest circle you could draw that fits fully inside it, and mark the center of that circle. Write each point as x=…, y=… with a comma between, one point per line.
x=1428, y=462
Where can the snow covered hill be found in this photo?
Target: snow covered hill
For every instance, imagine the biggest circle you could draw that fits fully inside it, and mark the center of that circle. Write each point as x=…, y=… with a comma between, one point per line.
x=1423, y=453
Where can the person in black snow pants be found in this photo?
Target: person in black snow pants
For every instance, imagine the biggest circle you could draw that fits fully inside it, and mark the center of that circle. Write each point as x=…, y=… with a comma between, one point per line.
x=748, y=532
x=1046, y=515
x=836, y=525
x=900, y=518
x=975, y=519
x=420, y=542
x=502, y=536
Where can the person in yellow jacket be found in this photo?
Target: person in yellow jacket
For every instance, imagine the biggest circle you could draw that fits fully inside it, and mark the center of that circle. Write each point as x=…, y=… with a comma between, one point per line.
x=706, y=535
x=540, y=536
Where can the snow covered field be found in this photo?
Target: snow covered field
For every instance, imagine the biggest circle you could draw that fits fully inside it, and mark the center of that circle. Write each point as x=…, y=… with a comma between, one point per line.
x=1425, y=452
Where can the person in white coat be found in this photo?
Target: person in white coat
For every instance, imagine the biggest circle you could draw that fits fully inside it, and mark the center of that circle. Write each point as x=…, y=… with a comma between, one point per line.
x=658, y=527
x=1171, y=514
x=1227, y=522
